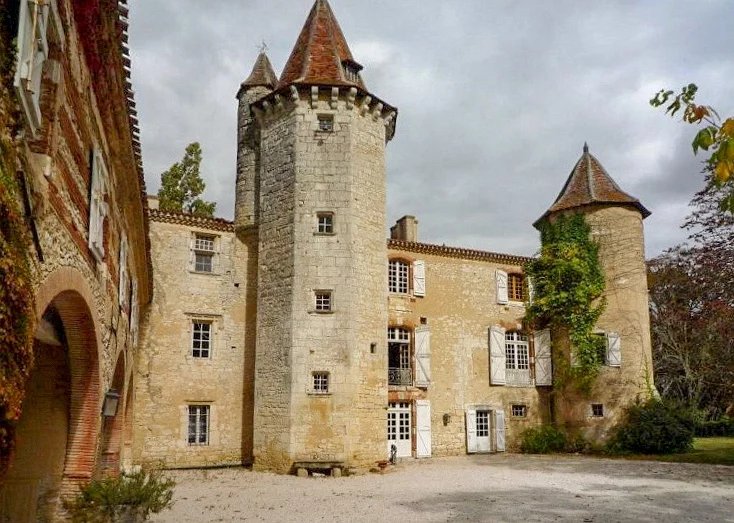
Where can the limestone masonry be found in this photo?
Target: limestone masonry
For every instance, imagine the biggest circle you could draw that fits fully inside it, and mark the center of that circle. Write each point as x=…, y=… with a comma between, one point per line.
x=297, y=338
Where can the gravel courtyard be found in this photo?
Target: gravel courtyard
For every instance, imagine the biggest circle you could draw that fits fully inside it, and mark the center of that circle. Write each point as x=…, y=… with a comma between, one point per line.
x=468, y=488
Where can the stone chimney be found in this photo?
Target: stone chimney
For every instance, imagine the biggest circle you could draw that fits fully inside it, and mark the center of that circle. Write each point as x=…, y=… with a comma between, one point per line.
x=406, y=229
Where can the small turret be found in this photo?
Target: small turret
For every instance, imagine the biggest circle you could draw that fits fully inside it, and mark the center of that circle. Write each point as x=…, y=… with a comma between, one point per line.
x=260, y=83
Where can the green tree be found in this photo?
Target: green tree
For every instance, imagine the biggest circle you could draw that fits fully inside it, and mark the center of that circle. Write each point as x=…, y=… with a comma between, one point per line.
x=181, y=185
x=716, y=137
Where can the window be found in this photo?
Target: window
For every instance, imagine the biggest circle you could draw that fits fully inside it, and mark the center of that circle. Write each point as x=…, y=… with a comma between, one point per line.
x=397, y=277
x=198, y=425
x=201, y=339
x=326, y=123
x=134, y=311
x=33, y=24
x=515, y=288
x=321, y=382
x=398, y=349
x=482, y=423
x=97, y=205
x=325, y=223
x=323, y=301
x=516, y=351
x=123, y=284
x=519, y=411
x=204, y=253
x=597, y=410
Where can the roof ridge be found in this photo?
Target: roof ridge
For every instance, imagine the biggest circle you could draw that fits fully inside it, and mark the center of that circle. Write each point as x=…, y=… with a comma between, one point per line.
x=457, y=252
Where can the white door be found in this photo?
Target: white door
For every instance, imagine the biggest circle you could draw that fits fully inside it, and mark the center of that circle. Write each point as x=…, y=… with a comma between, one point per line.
x=398, y=428
x=482, y=431
x=423, y=428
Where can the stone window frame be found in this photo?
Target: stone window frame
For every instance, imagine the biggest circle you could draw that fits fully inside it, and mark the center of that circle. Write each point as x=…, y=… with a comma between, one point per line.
x=320, y=383
x=199, y=247
x=323, y=301
x=325, y=123
x=519, y=410
x=204, y=353
x=402, y=375
x=197, y=409
x=596, y=410
x=325, y=223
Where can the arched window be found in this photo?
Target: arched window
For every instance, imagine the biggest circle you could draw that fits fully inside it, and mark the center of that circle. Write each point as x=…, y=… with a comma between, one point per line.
x=397, y=276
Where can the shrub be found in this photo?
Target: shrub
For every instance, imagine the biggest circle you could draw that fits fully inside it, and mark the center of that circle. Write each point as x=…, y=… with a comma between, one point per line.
x=125, y=498
x=542, y=440
x=654, y=427
x=720, y=427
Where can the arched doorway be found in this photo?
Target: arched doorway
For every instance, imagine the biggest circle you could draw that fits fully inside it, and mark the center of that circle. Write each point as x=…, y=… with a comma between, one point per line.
x=56, y=435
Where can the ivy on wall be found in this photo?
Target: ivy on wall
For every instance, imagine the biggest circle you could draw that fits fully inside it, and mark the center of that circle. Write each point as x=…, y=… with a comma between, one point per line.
x=569, y=282
x=17, y=310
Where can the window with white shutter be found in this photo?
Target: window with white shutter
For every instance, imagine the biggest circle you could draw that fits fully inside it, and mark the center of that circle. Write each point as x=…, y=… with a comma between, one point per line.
x=419, y=278
x=423, y=428
x=123, y=284
x=97, y=205
x=422, y=356
x=614, y=350
x=471, y=431
x=543, y=364
x=35, y=19
x=134, y=313
x=499, y=430
x=497, y=355
x=502, y=295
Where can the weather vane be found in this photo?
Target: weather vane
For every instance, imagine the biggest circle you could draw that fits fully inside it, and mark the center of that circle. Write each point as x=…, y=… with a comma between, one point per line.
x=263, y=47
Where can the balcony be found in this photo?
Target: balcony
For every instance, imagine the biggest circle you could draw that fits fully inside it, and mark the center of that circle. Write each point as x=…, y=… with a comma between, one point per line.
x=398, y=376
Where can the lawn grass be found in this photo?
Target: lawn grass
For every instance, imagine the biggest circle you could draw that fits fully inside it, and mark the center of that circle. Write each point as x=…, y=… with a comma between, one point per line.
x=715, y=451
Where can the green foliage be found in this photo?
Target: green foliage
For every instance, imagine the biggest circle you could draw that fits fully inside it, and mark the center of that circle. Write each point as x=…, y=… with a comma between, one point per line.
x=112, y=499
x=717, y=137
x=721, y=427
x=654, y=427
x=17, y=309
x=569, y=283
x=182, y=184
x=542, y=440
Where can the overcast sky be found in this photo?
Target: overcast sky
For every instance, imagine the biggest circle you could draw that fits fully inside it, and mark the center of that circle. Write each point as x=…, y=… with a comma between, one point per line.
x=496, y=99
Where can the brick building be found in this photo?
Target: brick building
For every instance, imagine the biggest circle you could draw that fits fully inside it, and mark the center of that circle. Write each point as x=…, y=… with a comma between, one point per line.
x=297, y=336
x=74, y=145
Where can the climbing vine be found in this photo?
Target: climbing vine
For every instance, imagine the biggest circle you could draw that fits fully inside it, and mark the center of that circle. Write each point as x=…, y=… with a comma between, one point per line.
x=17, y=311
x=568, y=282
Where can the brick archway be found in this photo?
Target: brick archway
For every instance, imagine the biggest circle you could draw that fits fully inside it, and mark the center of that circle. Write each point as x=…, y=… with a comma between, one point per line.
x=68, y=292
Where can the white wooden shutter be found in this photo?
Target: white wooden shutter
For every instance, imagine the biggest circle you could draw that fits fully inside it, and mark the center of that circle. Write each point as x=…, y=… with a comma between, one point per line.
x=501, y=279
x=422, y=356
x=496, y=355
x=419, y=278
x=499, y=430
x=423, y=428
x=134, y=312
x=614, y=352
x=543, y=365
x=122, y=288
x=97, y=205
x=192, y=252
x=471, y=430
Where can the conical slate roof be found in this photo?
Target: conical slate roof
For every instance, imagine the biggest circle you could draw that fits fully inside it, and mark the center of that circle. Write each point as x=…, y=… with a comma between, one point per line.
x=262, y=74
x=320, y=53
x=589, y=183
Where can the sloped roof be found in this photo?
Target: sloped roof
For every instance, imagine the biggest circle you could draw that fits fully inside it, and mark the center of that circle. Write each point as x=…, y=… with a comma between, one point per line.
x=262, y=74
x=320, y=52
x=589, y=183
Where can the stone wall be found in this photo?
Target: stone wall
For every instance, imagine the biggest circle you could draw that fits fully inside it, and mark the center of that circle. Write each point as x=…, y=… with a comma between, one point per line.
x=169, y=377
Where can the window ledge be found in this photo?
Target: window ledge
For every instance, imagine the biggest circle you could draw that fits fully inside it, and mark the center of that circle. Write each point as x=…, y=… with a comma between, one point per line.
x=205, y=273
x=322, y=312
x=318, y=394
x=324, y=233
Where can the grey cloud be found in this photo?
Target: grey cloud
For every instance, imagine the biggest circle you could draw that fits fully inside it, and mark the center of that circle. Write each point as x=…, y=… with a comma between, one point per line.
x=496, y=99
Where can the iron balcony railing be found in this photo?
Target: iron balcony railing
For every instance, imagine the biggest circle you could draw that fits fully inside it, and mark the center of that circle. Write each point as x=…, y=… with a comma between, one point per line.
x=396, y=376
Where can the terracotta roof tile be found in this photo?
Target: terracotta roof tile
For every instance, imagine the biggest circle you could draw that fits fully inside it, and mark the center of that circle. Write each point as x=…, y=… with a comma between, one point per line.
x=589, y=183
x=320, y=53
x=262, y=74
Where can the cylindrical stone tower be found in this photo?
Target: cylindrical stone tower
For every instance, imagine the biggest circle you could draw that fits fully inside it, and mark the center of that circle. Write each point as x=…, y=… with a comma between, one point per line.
x=320, y=380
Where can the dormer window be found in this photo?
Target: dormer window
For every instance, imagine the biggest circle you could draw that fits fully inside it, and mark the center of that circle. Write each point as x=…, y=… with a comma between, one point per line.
x=351, y=71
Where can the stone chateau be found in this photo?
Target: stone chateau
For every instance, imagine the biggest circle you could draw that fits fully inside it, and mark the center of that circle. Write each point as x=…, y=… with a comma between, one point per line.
x=296, y=337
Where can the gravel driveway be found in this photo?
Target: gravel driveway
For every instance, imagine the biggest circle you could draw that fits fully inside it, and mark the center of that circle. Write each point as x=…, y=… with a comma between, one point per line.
x=469, y=488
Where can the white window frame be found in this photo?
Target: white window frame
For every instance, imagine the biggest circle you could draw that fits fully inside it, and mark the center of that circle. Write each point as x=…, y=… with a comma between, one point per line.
x=203, y=244
x=519, y=410
x=123, y=279
x=320, y=382
x=517, y=359
x=403, y=373
x=197, y=411
x=398, y=276
x=204, y=353
x=98, y=208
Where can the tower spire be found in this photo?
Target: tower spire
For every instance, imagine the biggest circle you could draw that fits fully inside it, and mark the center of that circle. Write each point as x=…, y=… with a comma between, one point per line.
x=262, y=74
x=321, y=55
